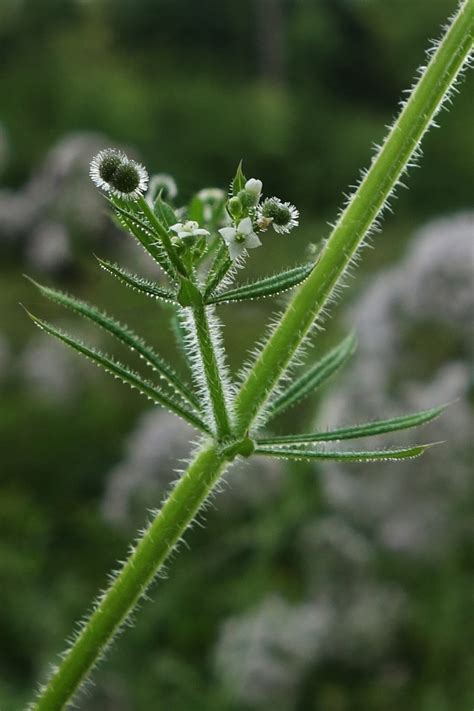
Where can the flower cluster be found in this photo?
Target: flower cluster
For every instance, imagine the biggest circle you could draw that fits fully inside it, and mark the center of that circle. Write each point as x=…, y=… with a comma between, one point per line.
x=114, y=172
x=250, y=215
x=210, y=217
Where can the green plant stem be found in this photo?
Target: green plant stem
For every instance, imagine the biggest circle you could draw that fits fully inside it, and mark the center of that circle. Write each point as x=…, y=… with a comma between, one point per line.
x=195, y=485
x=211, y=372
x=134, y=578
x=165, y=238
x=358, y=217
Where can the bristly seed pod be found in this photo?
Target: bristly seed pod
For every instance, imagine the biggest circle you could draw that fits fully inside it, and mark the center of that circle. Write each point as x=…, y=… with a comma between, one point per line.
x=283, y=216
x=114, y=172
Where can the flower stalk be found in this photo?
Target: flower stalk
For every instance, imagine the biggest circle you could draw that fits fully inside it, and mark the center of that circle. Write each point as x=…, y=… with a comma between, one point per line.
x=212, y=372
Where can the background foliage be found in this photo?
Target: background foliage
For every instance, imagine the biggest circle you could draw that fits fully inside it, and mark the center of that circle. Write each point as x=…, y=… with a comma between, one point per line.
x=299, y=90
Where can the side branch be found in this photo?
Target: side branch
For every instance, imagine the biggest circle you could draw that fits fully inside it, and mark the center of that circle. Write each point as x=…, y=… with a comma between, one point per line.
x=211, y=371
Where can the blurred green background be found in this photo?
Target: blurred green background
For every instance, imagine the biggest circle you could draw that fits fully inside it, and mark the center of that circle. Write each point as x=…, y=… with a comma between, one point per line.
x=300, y=91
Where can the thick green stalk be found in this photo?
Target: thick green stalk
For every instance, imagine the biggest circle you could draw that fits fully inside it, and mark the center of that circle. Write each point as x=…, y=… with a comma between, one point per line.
x=195, y=485
x=212, y=371
x=132, y=581
x=359, y=216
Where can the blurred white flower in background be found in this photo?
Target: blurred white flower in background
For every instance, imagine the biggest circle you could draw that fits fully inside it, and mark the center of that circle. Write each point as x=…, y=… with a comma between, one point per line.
x=261, y=655
x=346, y=612
x=48, y=249
x=164, y=184
x=414, y=324
x=148, y=468
x=48, y=369
x=58, y=193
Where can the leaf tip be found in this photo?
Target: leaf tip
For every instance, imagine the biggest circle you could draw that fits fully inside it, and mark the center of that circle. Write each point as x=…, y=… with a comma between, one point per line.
x=34, y=318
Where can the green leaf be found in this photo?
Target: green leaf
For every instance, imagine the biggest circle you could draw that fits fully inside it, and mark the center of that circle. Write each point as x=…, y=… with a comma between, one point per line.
x=136, y=222
x=239, y=180
x=368, y=429
x=196, y=210
x=125, y=335
x=180, y=335
x=165, y=212
x=137, y=283
x=220, y=266
x=304, y=455
x=314, y=377
x=268, y=286
x=130, y=377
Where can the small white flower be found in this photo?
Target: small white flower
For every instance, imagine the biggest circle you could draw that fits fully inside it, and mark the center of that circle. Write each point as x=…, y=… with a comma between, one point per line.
x=283, y=216
x=254, y=186
x=190, y=228
x=240, y=238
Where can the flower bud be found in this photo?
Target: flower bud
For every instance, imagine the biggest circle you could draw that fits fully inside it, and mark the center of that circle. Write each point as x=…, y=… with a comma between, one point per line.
x=234, y=207
x=254, y=186
x=247, y=199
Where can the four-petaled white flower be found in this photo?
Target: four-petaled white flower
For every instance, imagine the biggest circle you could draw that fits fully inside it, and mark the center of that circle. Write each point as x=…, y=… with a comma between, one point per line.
x=240, y=238
x=190, y=228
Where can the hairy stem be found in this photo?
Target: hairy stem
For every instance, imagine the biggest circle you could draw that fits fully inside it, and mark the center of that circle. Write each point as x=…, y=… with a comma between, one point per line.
x=132, y=581
x=195, y=485
x=214, y=381
x=359, y=216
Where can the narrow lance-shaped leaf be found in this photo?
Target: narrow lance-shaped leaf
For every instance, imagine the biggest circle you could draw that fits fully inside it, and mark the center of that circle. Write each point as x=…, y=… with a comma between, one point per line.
x=125, y=335
x=313, y=378
x=268, y=286
x=304, y=455
x=367, y=429
x=195, y=210
x=180, y=336
x=239, y=180
x=122, y=372
x=136, y=282
x=164, y=238
x=219, y=268
x=165, y=212
x=138, y=225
